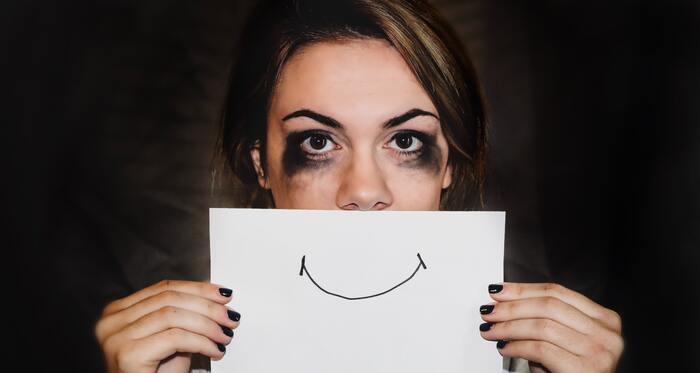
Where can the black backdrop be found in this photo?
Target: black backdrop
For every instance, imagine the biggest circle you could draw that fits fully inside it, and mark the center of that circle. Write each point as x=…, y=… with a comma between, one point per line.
x=111, y=122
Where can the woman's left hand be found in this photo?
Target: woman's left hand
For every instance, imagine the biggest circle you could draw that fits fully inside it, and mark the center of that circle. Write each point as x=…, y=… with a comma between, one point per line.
x=551, y=325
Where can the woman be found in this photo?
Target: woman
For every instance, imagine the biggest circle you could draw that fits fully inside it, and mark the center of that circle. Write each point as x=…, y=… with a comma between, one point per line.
x=356, y=105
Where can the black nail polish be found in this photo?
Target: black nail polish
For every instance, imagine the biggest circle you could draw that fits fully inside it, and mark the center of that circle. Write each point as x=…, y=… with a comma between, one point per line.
x=486, y=309
x=225, y=292
x=233, y=315
x=221, y=347
x=495, y=288
x=227, y=331
x=485, y=327
x=501, y=344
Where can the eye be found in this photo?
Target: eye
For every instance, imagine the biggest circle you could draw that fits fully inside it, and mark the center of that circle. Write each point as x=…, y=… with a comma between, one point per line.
x=317, y=143
x=406, y=143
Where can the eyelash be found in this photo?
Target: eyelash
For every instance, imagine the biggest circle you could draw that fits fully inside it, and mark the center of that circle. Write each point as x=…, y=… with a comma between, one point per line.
x=306, y=135
x=415, y=135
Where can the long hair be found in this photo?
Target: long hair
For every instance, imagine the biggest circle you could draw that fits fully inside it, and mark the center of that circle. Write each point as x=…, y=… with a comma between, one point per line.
x=277, y=29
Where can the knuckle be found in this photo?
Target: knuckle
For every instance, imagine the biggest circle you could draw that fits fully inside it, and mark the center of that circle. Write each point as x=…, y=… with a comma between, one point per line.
x=167, y=284
x=617, y=344
x=516, y=289
x=502, y=328
x=605, y=360
x=163, y=284
x=201, y=322
x=545, y=327
x=620, y=345
x=174, y=333
x=541, y=324
x=553, y=289
x=123, y=358
x=110, y=345
x=104, y=327
x=611, y=341
x=170, y=297
x=593, y=348
x=202, y=287
x=213, y=329
x=540, y=349
x=111, y=307
x=214, y=309
x=549, y=303
x=168, y=313
x=614, y=319
x=178, y=333
x=508, y=308
x=100, y=330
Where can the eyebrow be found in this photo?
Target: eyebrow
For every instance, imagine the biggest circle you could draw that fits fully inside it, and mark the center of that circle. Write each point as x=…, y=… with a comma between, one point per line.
x=330, y=122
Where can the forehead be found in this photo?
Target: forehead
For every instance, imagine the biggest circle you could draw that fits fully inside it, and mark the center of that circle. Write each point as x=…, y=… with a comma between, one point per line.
x=366, y=78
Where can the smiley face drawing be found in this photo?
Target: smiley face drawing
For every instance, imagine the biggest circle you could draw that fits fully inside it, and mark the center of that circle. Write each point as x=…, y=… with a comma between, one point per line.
x=304, y=270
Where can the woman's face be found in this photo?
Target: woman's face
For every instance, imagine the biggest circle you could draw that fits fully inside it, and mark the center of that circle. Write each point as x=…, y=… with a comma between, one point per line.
x=351, y=128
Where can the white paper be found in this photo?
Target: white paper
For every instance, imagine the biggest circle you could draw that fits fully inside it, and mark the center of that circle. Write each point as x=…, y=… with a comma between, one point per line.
x=289, y=324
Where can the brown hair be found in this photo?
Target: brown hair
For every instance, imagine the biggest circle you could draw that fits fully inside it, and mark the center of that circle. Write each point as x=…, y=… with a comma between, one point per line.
x=276, y=29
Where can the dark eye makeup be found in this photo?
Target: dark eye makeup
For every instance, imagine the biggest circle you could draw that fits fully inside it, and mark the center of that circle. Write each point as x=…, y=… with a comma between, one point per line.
x=295, y=158
x=424, y=156
x=308, y=150
x=409, y=144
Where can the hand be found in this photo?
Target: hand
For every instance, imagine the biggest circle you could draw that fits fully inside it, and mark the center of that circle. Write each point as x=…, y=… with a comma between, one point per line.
x=160, y=327
x=557, y=328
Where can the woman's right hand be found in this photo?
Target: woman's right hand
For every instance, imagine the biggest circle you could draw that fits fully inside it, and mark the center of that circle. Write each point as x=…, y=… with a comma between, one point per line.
x=158, y=328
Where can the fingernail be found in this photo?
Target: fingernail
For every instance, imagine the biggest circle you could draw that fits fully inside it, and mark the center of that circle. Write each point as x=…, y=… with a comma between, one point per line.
x=221, y=347
x=485, y=327
x=486, y=309
x=225, y=292
x=227, y=331
x=495, y=288
x=501, y=344
x=233, y=315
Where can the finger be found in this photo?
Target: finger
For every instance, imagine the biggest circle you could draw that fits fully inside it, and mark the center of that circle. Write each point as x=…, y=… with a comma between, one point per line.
x=150, y=351
x=513, y=291
x=218, y=313
x=172, y=317
x=542, y=330
x=542, y=308
x=206, y=290
x=554, y=358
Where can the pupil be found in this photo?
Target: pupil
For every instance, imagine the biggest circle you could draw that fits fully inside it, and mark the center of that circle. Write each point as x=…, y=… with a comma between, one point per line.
x=318, y=142
x=404, y=141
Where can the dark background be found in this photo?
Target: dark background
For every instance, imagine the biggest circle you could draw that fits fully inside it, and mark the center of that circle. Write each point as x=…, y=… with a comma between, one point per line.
x=112, y=119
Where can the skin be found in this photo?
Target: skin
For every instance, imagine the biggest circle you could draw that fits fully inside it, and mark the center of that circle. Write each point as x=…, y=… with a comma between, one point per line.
x=360, y=85
x=330, y=147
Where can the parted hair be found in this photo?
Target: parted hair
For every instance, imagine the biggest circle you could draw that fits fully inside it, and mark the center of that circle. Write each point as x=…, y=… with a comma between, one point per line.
x=277, y=28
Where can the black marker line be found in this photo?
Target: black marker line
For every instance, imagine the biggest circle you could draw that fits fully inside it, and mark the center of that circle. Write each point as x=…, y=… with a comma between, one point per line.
x=421, y=261
x=303, y=269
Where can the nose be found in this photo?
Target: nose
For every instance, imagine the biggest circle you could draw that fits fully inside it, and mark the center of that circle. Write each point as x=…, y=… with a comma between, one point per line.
x=363, y=186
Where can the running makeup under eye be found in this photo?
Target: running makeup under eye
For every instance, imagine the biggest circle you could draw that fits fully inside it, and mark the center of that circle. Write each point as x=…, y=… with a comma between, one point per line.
x=416, y=149
x=307, y=150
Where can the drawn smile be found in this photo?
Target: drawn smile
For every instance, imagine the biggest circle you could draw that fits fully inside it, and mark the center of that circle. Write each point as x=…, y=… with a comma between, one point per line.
x=303, y=270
